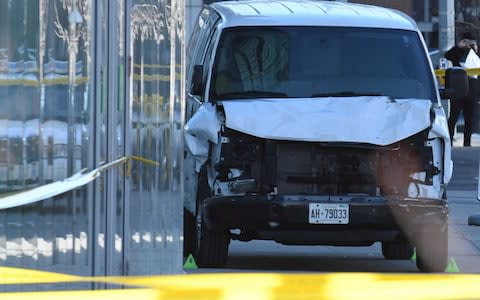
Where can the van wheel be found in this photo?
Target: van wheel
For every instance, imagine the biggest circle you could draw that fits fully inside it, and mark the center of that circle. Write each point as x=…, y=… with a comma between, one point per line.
x=212, y=245
x=432, y=249
x=397, y=250
x=189, y=233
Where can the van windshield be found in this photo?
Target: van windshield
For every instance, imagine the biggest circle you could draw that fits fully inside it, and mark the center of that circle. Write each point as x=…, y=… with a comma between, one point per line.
x=305, y=62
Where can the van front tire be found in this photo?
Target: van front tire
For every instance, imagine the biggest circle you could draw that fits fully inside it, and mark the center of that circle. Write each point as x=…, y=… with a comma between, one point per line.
x=189, y=233
x=432, y=249
x=212, y=245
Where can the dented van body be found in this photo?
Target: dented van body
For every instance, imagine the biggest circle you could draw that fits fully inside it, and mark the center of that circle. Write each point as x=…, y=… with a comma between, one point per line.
x=314, y=123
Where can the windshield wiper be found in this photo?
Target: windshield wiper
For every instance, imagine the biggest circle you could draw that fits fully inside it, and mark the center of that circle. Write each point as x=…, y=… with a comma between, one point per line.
x=345, y=94
x=252, y=94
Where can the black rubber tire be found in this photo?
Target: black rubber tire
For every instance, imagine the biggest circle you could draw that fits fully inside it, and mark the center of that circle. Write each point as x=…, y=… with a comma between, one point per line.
x=189, y=218
x=397, y=250
x=432, y=249
x=189, y=233
x=212, y=245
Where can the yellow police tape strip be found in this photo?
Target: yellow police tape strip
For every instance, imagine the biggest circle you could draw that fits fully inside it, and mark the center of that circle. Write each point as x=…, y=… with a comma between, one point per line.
x=228, y=286
x=470, y=72
x=79, y=80
x=63, y=80
x=125, y=294
x=440, y=73
x=155, y=66
x=59, y=187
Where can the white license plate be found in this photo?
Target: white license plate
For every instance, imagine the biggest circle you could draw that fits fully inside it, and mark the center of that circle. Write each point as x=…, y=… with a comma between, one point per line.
x=328, y=213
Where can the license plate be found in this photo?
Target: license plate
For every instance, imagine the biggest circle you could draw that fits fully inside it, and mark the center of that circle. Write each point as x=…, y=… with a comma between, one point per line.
x=328, y=213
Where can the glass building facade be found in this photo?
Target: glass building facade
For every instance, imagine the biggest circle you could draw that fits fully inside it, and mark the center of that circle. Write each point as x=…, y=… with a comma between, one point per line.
x=83, y=83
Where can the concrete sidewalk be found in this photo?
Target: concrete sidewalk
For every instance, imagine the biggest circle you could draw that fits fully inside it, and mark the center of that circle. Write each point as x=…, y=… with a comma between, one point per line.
x=464, y=240
x=458, y=140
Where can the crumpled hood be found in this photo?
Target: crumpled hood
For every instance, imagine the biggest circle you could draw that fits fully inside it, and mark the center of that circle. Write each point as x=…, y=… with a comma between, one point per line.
x=375, y=120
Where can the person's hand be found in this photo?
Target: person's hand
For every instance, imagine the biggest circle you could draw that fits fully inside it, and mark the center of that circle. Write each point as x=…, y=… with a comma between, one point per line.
x=473, y=45
x=465, y=43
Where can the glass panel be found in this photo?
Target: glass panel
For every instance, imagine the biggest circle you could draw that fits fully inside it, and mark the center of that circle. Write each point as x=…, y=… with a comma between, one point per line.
x=156, y=84
x=110, y=136
x=51, y=127
x=45, y=131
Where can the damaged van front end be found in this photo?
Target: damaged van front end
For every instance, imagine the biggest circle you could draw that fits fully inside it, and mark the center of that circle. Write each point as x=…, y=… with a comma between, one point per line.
x=330, y=171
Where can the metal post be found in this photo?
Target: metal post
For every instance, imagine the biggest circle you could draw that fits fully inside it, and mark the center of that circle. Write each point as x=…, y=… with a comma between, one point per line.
x=74, y=19
x=446, y=26
x=427, y=19
x=426, y=10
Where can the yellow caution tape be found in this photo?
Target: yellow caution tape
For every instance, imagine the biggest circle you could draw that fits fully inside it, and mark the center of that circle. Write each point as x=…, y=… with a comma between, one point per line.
x=36, y=83
x=79, y=80
x=145, y=160
x=440, y=73
x=470, y=72
x=155, y=77
x=10, y=275
x=336, y=286
x=125, y=294
x=155, y=66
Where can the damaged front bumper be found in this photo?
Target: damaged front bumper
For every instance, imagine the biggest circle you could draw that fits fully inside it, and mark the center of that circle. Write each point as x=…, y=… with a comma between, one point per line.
x=285, y=218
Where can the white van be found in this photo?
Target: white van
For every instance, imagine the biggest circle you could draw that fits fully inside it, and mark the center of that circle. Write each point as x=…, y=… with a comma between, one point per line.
x=315, y=123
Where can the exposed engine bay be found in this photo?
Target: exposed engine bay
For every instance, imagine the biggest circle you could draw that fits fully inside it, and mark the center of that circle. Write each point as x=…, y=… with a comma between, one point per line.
x=248, y=164
x=407, y=161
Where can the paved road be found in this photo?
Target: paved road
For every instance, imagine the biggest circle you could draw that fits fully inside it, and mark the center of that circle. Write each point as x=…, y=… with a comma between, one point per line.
x=464, y=240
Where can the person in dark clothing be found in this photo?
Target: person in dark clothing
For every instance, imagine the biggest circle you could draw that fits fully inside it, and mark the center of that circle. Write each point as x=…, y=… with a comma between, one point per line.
x=456, y=55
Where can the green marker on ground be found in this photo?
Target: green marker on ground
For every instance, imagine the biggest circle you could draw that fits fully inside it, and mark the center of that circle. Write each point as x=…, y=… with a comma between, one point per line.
x=190, y=263
x=452, y=266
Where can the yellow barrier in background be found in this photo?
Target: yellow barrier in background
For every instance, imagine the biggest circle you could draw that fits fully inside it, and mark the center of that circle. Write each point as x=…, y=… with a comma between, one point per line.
x=440, y=73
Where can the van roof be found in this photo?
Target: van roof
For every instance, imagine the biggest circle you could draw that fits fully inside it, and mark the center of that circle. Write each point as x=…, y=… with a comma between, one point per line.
x=310, y=13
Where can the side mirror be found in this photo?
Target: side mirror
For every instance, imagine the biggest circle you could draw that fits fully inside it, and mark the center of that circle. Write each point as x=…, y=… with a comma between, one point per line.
x=197, y=81
x=456, y=84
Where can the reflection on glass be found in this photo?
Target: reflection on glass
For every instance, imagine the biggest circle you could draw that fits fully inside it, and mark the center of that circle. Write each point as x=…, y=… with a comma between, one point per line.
x=44, y=79
x=49, y=131
x=156, y=48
